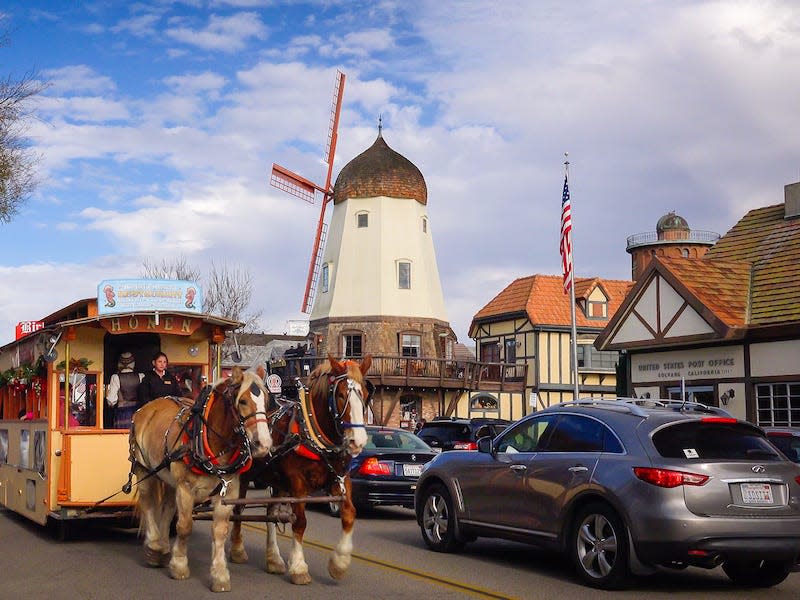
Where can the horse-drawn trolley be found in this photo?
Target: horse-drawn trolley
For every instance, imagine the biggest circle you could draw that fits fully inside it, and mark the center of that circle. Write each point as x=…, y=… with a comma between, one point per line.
x=63, y=455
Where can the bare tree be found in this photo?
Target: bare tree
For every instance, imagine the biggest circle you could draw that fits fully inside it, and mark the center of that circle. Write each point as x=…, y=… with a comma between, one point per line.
x=228, y=294
x=228, y=291
x=177, y=268
x=17, y=161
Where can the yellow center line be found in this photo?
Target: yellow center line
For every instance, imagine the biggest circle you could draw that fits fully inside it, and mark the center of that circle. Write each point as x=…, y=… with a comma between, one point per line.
x=422, y=575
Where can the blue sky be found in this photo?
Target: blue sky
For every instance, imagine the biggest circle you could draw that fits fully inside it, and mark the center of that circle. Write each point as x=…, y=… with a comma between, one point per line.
x=163, y=119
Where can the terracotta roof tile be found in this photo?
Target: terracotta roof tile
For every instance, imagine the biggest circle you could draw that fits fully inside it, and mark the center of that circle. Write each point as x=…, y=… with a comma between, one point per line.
x=542, y=298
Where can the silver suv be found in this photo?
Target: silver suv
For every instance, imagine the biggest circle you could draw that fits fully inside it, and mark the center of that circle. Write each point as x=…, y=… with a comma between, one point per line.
x=623, y=486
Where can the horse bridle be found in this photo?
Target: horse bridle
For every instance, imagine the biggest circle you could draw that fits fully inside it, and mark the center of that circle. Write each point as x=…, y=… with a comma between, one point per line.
x=352, y=387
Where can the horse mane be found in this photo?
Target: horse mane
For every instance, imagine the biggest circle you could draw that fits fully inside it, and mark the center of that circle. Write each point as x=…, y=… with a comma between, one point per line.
x=244, y=379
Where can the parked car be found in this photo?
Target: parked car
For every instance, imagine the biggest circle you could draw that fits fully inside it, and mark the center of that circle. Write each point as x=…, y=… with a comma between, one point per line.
x=622, y=488
x=787, y=440
x=386, y=471
x=450, y=433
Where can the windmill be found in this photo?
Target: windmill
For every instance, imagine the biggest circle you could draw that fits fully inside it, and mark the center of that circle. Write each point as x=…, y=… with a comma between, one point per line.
x=288, y=181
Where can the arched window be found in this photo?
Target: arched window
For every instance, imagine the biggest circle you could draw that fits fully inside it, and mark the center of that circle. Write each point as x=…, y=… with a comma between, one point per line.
x=484, y=402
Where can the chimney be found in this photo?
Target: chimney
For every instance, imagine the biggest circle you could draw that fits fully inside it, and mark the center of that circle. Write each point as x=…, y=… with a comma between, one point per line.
x=791, y=194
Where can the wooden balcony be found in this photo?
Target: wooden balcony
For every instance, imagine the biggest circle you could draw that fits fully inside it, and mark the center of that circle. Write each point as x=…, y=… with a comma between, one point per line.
x=418, y=372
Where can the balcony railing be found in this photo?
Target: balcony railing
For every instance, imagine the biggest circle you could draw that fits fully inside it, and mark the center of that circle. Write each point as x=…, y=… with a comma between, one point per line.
x=427, y=372
x=651, y=237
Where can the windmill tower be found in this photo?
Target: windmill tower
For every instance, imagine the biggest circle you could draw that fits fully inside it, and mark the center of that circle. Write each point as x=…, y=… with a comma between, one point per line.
x=288, y=181
x=379, y=290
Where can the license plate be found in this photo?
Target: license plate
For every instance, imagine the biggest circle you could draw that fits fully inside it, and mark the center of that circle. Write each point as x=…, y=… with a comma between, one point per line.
x=757, y=493
x=412, y=470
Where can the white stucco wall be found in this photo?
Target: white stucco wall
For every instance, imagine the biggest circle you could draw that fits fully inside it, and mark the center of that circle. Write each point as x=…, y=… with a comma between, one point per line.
x=363, y=262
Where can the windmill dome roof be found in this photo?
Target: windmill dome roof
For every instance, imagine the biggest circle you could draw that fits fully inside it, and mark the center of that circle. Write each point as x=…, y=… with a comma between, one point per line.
x=672, y=221
x=380, y=171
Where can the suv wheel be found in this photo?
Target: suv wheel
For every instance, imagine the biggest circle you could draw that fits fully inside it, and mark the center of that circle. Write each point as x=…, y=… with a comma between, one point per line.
x=757, y=573
x=598, y=547
x=438, y=523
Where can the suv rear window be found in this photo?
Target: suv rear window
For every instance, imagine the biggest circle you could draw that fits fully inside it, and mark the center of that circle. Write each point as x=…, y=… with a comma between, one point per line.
x=445, y=432
x=704, y=440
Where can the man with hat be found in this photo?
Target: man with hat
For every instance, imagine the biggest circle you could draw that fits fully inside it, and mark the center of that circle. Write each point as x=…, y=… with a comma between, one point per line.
x=122, y=391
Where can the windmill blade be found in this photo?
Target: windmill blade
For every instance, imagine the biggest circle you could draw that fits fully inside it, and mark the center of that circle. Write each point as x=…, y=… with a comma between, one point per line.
x=333, y=127
x=292, y=183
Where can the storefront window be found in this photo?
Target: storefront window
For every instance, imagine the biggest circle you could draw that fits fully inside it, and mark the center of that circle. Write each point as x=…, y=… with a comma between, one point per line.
x=778, y=404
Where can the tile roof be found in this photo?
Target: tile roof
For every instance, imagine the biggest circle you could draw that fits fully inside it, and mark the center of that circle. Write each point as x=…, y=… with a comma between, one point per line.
x=542, y=299
x=720, y=285
x=749, y=278
x=771, y=244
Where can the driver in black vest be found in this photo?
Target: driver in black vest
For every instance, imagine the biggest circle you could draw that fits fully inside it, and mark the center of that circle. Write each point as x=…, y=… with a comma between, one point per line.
x=123, y=391
x=158, y=382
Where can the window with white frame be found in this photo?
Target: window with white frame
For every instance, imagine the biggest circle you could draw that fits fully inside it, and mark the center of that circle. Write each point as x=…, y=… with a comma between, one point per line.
x=352, y=344
x=362, y=219
x=410, y=344
x=778, y=404
x=325, y=278
x=424, y=225
x=404, y=275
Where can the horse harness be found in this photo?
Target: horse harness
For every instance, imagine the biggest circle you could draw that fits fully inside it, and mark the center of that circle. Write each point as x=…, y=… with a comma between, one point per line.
x=303, y=433
x=194, y=448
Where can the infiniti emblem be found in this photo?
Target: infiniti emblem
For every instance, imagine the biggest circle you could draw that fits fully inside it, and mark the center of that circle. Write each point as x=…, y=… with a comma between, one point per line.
x=759, y=469
x=413, y=458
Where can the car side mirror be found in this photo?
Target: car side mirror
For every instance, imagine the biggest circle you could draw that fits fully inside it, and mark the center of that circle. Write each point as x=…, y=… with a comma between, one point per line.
x=485, y=445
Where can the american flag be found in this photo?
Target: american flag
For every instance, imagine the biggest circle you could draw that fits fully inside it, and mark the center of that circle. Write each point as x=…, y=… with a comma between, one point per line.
x=566, y=237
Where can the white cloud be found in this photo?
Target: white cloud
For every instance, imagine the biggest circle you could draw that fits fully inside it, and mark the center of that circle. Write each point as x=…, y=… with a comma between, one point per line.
x=75, y=79
x=227, y=34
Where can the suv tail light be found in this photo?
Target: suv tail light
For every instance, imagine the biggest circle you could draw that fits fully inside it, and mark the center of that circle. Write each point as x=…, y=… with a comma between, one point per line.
x=668, y=479
x=465, y=446
x=718, y=420
x=372, y=466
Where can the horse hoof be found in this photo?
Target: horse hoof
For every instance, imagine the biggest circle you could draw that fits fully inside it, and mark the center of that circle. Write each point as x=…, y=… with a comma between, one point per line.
x=300, y=578
x=221, y=586
x=335, y=571
x=178, y=573
x=155, y=558
x=276, y=568
x=238, y=556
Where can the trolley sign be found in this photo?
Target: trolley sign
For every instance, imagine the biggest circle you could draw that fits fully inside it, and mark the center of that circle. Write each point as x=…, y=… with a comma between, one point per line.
x=274, y=384
x=27, y=327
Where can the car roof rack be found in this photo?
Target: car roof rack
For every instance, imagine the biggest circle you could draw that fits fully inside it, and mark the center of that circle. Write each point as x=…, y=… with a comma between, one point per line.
x=636, y=406
x=677, y=405
x=609, y=404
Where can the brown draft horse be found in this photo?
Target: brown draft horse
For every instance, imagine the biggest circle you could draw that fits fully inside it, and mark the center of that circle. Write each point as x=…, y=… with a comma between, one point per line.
x=182, y=454
x=314, y=439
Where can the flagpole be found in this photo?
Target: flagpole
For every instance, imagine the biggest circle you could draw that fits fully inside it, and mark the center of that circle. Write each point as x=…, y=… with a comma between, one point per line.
x=574, y=343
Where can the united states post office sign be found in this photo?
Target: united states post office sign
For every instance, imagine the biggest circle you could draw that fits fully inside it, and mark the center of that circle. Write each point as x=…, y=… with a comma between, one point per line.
x=168, y=295
x=706, y=363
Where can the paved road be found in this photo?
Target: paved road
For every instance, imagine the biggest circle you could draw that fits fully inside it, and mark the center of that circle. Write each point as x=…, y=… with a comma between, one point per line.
x=390, y=562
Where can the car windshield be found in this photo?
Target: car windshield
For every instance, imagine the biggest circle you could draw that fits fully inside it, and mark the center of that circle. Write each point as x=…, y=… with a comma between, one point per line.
x=446, y=432
x=713, y=440
x=387, y=438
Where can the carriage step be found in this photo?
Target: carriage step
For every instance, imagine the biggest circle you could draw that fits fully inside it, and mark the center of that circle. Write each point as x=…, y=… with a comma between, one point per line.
x=281, y=500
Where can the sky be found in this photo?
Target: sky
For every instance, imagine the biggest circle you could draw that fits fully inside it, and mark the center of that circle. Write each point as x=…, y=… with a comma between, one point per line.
x=157, y=133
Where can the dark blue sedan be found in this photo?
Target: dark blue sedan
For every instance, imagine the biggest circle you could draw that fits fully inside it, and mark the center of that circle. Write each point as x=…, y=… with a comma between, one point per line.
x=386, y=471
